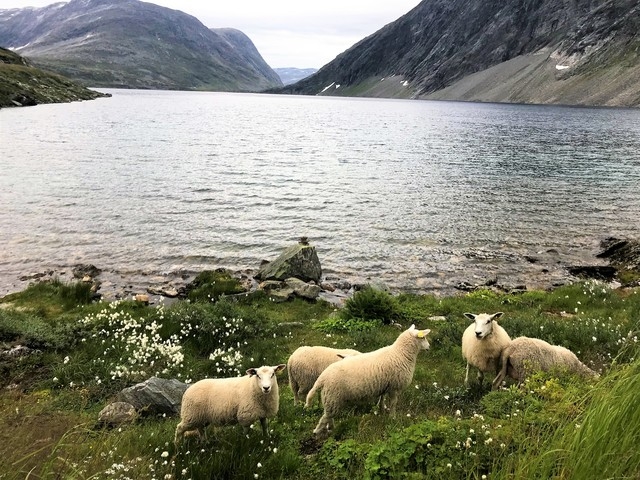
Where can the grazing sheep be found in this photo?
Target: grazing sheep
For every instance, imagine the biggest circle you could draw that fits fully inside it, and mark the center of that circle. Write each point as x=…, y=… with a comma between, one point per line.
x=368, y=376
x=307, y=363
x=482, y=344
x=524, y=355
x=227, y=401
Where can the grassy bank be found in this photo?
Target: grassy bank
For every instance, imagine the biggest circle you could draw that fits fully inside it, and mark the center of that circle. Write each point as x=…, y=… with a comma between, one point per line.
x=556, y=426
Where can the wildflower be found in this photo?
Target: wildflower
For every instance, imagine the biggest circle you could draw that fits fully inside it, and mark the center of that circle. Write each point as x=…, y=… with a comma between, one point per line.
x=259, y=465
x=449, y=465
x=164, y=454
x=66, y=360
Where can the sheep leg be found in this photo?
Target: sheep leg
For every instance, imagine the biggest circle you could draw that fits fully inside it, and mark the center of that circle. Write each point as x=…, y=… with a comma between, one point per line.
x=480, y=377
x=466, y=376
x=264, y=423
x=182, y=429
x=393, y=400
x=325, y=425
x=296, y=391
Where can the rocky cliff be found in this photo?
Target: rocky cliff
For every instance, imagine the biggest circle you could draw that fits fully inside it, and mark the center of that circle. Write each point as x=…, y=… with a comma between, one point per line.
x=525, y=51
x=134, y=44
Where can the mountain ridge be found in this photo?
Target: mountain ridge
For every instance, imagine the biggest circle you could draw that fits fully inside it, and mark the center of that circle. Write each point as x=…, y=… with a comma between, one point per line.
x=134, y=44
x=432, y=51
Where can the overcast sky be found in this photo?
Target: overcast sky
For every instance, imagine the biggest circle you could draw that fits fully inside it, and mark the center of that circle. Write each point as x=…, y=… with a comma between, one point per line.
x=287, y=33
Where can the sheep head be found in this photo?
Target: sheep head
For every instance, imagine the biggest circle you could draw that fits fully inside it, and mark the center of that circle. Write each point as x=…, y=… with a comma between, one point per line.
x=421, y=336
x=484, y=323
x=266, y=376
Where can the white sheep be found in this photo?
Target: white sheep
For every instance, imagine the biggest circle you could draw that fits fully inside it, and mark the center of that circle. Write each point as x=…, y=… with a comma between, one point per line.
x=482, y=344
x=524, y=355
x=228, y=401
x=307, y=363
x=368, y=376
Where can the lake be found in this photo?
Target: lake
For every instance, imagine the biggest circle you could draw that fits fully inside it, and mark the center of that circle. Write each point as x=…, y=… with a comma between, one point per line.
x=153, y=185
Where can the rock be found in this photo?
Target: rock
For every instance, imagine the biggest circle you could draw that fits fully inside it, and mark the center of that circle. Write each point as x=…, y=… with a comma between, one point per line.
x=599, y=272
x=437, y=318
x=142, y=298
x=299, y=261
x=23, y=100
x=281, y=294
x=155, y=396
x=302, y=289
x=621, y=253
x=465, y=286
x=31, y=276
x=327, y=287
x=18, y=351
x=81, y=271
x=168, y=291
x=269, y=285
x=117, y=413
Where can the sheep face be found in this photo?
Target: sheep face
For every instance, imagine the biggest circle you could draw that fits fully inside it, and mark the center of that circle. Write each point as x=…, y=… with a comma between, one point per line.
x=421, y=336
x=265, y=376
x=483, y=323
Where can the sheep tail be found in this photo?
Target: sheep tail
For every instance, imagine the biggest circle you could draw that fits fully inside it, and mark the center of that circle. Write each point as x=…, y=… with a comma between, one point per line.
x=312, y=393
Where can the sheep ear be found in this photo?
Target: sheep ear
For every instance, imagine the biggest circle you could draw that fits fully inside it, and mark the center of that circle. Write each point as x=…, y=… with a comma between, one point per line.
x=251, y=372
x=470, y=316
x=496, y=315
x=423, y=333
x=279, y=368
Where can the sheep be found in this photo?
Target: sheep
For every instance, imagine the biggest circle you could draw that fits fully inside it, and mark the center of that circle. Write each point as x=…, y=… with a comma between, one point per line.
x=227, y=401
x=368, y=376
x=482, y=344
x=525, y=354
x=307, y=363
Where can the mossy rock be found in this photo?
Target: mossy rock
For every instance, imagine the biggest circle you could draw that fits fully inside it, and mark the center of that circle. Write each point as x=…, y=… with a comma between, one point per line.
x=298, y=261
x=210, y=285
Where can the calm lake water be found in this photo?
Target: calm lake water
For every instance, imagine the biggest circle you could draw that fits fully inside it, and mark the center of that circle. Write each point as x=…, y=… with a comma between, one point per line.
x=418, y=194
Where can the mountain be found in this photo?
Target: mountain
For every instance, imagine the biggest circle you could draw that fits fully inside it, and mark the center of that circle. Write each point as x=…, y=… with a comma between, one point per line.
x=134, y=44
x=580, y=52
x=24, y=85
x=292, y=75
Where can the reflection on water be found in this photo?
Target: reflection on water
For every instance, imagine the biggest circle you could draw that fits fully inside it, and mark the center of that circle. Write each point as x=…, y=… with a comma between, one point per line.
x=420, y=194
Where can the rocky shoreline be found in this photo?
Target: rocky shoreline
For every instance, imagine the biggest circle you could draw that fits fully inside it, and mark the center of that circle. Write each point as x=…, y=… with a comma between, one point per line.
x=618, y=261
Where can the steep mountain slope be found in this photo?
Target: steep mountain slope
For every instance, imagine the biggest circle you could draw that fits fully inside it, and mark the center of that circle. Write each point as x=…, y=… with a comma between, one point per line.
x=23, y=85
x=134, y=44
x=532, y=51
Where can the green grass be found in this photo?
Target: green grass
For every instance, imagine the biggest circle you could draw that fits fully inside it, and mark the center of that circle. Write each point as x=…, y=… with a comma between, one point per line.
x=556, y=426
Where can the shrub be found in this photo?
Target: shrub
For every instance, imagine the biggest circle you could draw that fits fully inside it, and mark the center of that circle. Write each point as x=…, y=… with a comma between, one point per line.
x=370, y=304
x=210, y=285
x=338, y=324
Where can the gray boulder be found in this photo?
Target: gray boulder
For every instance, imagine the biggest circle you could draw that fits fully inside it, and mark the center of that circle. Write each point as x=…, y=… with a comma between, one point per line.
x=303, y=289
x=299, y=261
x=155, y=396
x=117, y=413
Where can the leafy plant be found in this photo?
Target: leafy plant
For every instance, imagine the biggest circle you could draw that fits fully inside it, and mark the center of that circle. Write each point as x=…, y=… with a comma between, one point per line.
x=371, y=304
x=210, y=285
